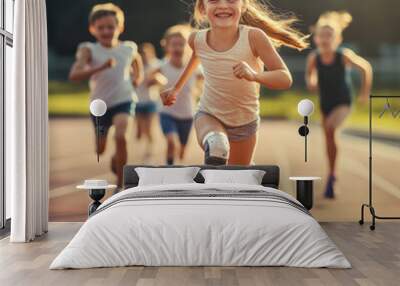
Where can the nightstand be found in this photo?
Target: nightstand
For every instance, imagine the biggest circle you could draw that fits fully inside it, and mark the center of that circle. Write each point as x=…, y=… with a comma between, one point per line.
x=97, y=190
x=304, y=190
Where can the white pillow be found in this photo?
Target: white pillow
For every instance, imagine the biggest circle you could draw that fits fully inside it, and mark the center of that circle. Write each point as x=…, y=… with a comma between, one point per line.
x=248, y=177
x=166, y=176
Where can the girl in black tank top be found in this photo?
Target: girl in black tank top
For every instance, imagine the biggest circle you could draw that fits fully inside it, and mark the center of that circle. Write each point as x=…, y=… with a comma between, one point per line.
x=334, y=83
x=328, y=72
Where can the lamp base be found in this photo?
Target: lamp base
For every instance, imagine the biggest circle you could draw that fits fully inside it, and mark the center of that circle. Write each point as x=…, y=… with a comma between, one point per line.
x=304, y=131
x=96, y=196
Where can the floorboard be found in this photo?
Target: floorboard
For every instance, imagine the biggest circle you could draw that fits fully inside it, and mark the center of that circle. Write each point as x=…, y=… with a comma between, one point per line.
x=375, y=257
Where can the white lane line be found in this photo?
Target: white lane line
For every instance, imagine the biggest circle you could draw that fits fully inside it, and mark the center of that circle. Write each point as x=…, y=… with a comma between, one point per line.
x=281, y=155
x=62, y=191
x=284, y=165
x=356, y=168
x=69, y=189
x=380, y=149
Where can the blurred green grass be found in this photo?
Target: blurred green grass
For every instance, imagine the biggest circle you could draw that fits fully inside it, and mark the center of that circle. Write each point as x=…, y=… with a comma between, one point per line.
x=285, y=106
x=69, y=105
x=68, y=99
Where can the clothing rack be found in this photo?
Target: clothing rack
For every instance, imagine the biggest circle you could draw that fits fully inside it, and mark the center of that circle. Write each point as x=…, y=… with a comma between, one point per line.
x=370, y=202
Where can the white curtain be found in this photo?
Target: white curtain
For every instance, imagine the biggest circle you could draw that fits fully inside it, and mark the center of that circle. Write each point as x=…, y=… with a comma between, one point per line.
x=27, y=124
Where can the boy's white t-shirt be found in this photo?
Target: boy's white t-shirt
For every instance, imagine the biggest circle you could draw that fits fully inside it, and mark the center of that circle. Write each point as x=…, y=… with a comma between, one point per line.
x=183, y=107
x=113, y=85
x=144, y=92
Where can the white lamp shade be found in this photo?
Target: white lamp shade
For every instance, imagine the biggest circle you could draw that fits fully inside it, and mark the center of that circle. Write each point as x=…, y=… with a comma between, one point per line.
x=98, y=107
x=305, y=107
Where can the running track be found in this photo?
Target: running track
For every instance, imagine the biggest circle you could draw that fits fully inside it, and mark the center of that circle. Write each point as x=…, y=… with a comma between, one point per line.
x=72, y=159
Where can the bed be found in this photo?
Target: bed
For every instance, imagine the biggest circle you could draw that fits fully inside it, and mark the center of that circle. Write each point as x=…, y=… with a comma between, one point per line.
x=198, y=224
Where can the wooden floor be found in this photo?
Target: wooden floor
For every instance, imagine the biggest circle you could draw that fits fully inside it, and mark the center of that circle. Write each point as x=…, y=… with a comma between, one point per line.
x=375, y=257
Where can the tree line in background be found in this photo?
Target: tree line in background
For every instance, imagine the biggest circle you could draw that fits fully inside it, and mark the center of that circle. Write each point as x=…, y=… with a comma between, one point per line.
x=375, y=21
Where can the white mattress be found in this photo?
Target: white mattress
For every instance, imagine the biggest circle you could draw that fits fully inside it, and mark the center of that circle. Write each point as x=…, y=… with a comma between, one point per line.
x=201, y=231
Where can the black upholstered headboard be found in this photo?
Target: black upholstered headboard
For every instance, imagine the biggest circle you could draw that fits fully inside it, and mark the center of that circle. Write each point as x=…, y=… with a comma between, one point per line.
x=271, y=177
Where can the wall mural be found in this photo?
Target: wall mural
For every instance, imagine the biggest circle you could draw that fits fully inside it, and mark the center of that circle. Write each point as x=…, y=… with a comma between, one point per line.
x=128, y=93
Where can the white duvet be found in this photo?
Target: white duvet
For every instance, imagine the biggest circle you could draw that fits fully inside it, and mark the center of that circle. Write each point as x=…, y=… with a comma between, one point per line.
x=200, y=231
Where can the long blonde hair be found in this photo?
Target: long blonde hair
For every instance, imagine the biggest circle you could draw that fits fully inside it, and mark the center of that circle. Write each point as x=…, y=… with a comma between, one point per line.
x=278, y=28
x=337, y=20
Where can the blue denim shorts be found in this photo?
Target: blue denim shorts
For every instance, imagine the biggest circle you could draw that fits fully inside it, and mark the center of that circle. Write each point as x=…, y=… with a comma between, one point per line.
x=181, y=127
x=106, y=121
x=145, y=108
x=235, y=133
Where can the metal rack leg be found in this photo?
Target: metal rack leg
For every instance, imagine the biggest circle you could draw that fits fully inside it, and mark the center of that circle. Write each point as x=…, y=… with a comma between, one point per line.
x=374, y=216
x=361, y=221
x=372, y=210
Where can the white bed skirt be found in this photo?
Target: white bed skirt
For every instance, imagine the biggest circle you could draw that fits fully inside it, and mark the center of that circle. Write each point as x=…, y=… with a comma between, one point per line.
x=200, y=232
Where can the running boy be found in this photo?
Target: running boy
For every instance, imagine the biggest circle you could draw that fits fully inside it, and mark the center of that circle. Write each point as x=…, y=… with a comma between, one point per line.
x=328, y=70
x=177, y=119
x=108, y=64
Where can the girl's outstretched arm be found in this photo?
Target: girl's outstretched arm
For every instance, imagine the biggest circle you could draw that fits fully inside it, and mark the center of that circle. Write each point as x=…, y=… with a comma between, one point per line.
x=365, y=68
x=155, y=77
x=187, y=73
x=168, y=96
x=80, y=70
x=311, y=73
x=277, y=75
x=137, y=71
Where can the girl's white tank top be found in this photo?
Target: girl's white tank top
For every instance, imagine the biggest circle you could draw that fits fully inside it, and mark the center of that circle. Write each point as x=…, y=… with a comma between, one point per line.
x=233, y=101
